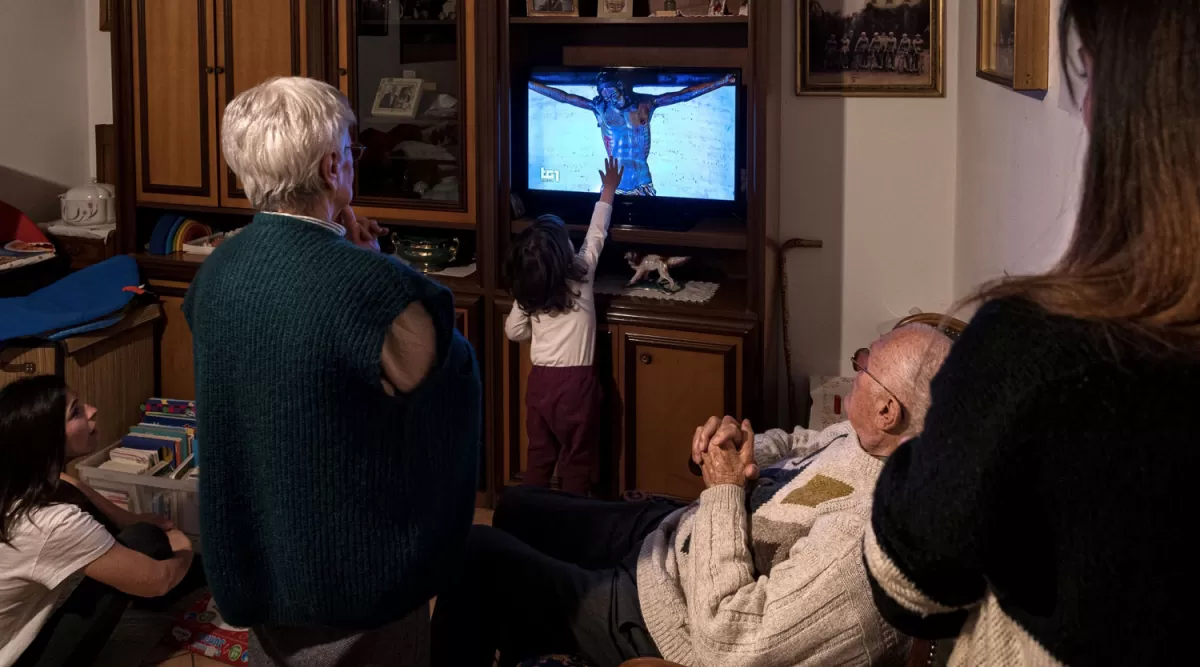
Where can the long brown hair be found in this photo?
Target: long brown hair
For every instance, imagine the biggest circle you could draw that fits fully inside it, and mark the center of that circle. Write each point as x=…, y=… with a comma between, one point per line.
x=1134, y=260
x=33, y=434
x=542, y=267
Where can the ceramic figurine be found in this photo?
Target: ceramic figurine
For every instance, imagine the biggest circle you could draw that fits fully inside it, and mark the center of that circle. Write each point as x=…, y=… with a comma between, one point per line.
x=745, y=9
x=718, y=8
x=449, y=10
x=645, y=265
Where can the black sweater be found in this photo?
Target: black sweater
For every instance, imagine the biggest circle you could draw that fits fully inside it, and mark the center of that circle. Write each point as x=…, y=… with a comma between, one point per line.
x=1044, y=501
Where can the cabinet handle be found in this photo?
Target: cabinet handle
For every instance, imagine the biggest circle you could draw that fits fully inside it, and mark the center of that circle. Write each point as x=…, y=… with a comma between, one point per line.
x=208, y=70
x=342, y=71
x=646, y=359
x=220, y=70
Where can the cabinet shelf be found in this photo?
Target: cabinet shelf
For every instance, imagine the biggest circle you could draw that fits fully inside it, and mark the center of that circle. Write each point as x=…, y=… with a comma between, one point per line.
x=641, y=20
x=721, y=234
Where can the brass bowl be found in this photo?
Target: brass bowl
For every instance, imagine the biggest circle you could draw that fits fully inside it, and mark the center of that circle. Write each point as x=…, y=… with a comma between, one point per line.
x=425, y=253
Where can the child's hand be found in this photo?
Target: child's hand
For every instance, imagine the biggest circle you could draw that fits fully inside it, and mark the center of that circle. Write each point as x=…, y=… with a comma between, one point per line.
x=611, y=178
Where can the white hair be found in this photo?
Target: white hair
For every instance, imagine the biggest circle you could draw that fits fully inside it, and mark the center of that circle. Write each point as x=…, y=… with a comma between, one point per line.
x=916, y=353
x=274, y=136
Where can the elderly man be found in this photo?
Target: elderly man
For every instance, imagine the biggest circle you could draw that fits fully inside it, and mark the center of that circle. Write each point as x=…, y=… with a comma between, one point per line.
x=338, y=408
x=765, y=569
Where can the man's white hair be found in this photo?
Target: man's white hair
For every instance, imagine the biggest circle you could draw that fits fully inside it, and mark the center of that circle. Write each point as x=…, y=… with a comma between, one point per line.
x=274, y=136
x=915, y=353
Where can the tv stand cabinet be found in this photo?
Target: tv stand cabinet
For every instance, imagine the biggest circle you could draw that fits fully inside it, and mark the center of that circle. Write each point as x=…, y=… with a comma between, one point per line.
x=667, y=366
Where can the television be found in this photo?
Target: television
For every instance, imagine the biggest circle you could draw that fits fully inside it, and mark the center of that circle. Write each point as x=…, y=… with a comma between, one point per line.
x=678, y=132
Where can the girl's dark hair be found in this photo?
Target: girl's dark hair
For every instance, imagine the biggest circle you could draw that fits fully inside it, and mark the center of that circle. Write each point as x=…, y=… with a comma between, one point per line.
x=1133, y=260
x=33, y=435
x=542, y=265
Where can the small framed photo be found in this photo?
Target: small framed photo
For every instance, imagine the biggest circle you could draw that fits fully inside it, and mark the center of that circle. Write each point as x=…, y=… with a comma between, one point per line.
x=1014, y=43
x=398, y=98
x=553, y=7
x=886, y=50
x=615, y=9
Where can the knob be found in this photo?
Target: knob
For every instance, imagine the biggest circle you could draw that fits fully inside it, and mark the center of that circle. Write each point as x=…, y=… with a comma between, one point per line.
x=220, y=70
x=342, y=71
x=646, y=359
x=208, y=70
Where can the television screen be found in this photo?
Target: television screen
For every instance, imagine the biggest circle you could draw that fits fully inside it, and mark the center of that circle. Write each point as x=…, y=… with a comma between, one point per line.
x=674, y=131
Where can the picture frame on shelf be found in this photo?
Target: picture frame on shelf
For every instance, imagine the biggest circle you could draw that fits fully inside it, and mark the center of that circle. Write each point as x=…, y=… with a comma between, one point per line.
x=398, y=98
x=615, y=9
x=553, y=7
x=1013, y=49
x=892, y=51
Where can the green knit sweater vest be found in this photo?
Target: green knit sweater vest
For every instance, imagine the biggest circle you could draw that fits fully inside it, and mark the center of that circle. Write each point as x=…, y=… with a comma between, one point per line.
x=324, y=501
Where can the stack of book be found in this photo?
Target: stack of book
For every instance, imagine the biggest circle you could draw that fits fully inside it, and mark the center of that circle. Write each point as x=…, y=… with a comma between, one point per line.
x=163, y=444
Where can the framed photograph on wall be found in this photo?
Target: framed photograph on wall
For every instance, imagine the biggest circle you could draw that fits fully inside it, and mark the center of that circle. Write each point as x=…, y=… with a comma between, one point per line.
x=1014, y=43
x=552, y=7
x=863, y=48
x=397, y=98
x=615, y=9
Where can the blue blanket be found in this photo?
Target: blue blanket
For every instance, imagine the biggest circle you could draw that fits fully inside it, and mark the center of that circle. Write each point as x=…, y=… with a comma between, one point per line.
x=93, y=294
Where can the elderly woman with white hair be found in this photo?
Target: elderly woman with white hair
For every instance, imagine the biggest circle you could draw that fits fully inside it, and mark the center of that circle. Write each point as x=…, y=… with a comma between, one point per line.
x=338, y=407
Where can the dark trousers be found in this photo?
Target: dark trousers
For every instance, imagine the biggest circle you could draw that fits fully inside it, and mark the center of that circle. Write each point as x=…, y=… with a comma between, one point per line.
x=557, y=574
x=79, y=629
x=562, y=419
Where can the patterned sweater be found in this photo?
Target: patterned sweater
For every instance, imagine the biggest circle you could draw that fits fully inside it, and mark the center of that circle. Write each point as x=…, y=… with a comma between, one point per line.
x=773, y=577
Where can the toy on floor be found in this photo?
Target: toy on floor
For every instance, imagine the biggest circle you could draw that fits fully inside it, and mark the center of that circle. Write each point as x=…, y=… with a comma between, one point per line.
x=643, y=266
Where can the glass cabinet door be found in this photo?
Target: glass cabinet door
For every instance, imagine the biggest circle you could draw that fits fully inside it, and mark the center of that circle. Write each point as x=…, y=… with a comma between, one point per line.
x=409, y=76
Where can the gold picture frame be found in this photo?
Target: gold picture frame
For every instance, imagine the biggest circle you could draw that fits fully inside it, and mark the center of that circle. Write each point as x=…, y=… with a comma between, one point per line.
x=552, y=7
x=902, y=56
x=1019, y=59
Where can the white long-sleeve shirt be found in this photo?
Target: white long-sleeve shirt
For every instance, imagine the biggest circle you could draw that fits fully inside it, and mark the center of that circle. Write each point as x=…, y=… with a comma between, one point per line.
x=568, y=338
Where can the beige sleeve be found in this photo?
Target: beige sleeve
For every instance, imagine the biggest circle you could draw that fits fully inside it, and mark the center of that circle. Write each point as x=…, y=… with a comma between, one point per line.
x=409, y=350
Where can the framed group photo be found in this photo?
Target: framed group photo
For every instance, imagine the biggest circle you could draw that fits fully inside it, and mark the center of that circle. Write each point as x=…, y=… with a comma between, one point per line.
x=865, y=48
x=1014, y=43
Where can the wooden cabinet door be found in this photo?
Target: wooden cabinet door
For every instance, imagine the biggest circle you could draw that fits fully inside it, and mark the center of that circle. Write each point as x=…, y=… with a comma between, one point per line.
x=672, y=382
x=257, y=41
x=174, y=88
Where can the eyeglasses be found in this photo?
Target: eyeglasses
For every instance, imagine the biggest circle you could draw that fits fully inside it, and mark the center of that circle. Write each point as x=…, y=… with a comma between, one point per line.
x=862, y=368
x=357, y=151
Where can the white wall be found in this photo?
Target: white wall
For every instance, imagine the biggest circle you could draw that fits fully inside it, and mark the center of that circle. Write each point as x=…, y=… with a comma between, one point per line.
x=874, y=179
x=44, y=131
x=1018, y=175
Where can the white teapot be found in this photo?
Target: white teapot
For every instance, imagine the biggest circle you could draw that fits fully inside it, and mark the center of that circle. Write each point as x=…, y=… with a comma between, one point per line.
x=88, y=205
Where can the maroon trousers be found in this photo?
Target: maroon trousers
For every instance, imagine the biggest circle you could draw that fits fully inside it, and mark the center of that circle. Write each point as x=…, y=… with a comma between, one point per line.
x=563, y=422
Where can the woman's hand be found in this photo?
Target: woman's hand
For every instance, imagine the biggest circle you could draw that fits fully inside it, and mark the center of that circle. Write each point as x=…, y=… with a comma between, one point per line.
x=363, y=233
x=611, y=178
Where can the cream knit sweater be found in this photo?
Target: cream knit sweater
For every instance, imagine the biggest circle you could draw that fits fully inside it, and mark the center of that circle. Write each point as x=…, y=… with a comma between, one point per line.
x=782, y=583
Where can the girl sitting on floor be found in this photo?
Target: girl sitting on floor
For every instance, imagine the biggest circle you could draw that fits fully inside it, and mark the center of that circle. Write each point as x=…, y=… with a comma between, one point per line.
x=555, y=306
x=70, y=560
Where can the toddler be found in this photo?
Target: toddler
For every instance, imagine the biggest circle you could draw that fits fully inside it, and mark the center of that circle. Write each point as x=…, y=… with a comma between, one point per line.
x=555, y=306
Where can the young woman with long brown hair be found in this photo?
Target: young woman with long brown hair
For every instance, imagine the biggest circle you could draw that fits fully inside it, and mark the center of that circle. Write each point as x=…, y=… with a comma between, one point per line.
x=1042, y=517
x=70, y=560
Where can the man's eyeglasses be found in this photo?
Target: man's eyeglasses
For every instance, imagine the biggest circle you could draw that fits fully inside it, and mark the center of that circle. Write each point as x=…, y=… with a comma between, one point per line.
x=865, y=355
x=357, y=151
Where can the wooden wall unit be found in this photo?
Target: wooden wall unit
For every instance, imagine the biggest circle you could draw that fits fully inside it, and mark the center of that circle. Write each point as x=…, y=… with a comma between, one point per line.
x=667, y=366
